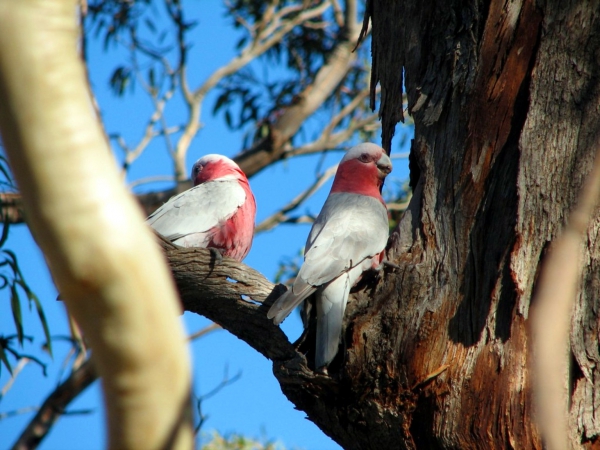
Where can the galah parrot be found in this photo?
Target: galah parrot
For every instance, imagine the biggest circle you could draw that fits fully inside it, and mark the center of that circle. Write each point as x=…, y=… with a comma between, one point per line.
x=348, y=237
x=218, y=212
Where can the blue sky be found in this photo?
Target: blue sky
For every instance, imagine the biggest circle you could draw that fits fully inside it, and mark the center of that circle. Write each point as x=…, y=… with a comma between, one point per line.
x=253, y=405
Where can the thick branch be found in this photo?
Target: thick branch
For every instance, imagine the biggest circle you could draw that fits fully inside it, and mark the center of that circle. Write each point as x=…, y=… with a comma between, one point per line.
x=99, y=251
x=231, y=294
x=328, y=78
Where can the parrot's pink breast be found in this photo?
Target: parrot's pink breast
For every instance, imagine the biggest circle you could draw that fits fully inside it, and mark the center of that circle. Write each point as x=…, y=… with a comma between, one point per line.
x=234, y=236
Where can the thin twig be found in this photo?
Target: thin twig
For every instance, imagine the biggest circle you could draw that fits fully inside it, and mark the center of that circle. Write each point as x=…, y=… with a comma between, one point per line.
x=20, y=365
x=18, y=412
x=282, y=215
x=204, y=331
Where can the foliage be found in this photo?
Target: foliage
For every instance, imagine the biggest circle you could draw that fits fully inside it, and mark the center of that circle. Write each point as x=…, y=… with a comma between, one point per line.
x=236, y=441
x=12, y=279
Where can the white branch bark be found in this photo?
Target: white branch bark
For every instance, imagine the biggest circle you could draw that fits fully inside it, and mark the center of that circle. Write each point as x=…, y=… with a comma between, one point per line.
x=107, y=266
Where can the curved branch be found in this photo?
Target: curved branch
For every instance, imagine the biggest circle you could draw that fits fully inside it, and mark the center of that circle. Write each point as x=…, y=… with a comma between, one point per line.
x=231, y=294
x=97, y=247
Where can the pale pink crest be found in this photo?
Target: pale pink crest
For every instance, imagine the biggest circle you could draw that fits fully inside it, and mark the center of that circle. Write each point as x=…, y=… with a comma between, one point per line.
x=215, y=167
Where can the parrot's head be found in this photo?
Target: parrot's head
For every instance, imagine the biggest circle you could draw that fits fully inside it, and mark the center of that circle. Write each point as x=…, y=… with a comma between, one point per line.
x=370, y=158
x=362, y=170
x=216, y=167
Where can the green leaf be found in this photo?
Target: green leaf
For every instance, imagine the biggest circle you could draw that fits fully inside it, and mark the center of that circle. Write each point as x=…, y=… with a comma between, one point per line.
x=120, y=79
x=151, y=77
x=4, y=168
x=15, y=304
x=15, y=265
x=5, y=228
x=40, y=311
x=5, y=281
x=222, y=100
x=150, y=26
x=4, y=359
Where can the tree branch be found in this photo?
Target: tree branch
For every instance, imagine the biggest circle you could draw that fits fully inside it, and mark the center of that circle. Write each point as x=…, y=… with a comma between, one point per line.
x=54, y=406
x=282, y=215
x=276, y=146
x=231, y=294
x=99, y=251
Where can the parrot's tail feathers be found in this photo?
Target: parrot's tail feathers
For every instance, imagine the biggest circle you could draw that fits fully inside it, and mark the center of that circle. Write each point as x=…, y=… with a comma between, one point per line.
x=329, y=330
x=285, y=304
x=331, y=304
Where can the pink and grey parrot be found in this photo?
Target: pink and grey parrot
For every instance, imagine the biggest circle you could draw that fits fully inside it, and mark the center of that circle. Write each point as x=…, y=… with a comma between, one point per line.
x=218, y=212
x=348, y=237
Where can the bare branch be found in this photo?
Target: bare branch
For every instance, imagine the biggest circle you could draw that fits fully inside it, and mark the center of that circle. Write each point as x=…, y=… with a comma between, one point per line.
x=17, y=412
x=329, y=76
x=282, y=215
x=132, y=154
x=54, y=406
x=338, y=13
x=276, y=145
x=69, y=195
x=231, y=294
x=204, y=331
x=334, y=140
x=20, y=365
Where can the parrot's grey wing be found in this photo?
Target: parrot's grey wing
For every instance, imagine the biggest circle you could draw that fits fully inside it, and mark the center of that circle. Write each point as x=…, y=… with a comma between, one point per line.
x=350, y=229
x=198, y=210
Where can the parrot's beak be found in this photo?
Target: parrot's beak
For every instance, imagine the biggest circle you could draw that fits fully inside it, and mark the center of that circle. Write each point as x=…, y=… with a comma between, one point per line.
x=384, y=165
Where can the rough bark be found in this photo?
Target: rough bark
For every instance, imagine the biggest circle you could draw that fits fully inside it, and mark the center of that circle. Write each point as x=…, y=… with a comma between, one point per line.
x=504, y=97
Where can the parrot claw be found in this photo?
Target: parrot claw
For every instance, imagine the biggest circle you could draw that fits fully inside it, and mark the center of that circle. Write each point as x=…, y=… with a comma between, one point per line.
x=216, y=257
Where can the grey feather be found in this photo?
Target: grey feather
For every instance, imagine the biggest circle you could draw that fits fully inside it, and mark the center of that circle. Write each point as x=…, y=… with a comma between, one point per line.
x=191, y=215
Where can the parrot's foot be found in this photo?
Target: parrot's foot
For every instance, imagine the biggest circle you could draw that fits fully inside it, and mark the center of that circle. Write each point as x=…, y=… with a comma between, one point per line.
x=323, y=371
x=216, y=257
x=389, y=264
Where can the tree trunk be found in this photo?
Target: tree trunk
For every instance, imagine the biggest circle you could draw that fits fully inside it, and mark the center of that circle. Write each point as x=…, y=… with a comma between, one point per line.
x=505, y=100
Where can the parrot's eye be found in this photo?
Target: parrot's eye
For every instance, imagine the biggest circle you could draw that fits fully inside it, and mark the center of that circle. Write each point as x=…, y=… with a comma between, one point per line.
x=364, y=158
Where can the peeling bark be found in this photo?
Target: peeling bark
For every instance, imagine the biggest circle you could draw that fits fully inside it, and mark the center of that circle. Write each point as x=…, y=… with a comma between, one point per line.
x=504, y=97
